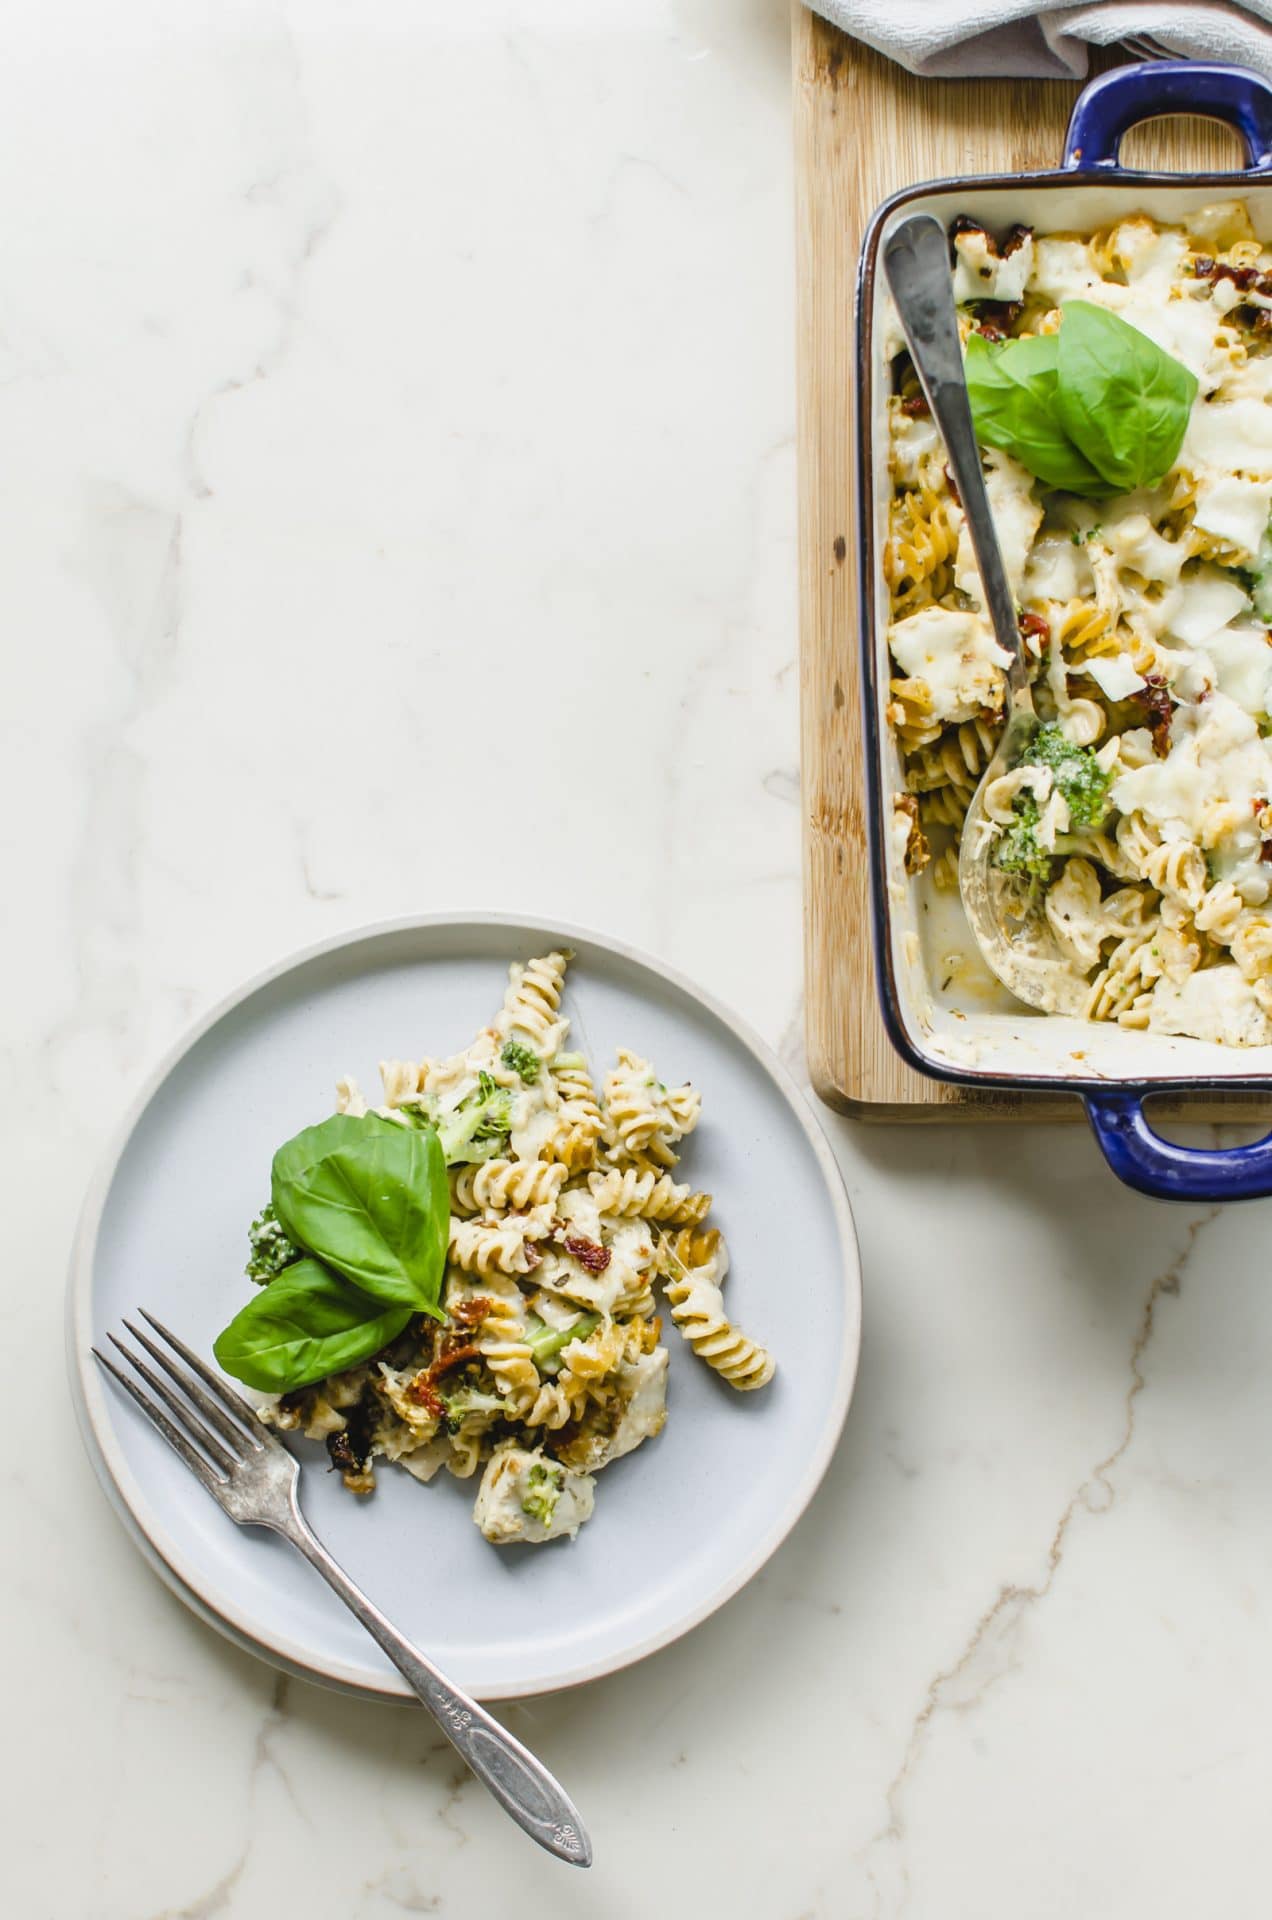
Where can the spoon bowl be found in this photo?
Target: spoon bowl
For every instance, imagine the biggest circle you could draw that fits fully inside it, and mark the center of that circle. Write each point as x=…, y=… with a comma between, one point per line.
x=1006, y=917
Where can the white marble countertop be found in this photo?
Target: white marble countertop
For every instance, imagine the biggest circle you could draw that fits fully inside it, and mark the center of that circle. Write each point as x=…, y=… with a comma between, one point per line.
x=368, y=365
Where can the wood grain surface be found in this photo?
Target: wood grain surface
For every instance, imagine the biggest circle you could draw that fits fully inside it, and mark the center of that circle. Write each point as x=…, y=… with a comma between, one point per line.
x=863, y=128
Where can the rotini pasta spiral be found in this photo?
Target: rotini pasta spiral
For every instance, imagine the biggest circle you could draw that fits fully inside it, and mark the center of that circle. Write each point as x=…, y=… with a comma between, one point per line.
x=576, y=1091
x=910, y=714
x=946, y=807
x=500, y=1185
x=556, y=1403
x=649, y=1196
x=572, y=1143
x=492, y=1245
x=921, y=548
x=1219, y=912
x=400, y=1080
x=501, y=1341
x=1178, y=867
x=467, y=1443
x=696, y=1262
x=958, y=760
x=532, y=1003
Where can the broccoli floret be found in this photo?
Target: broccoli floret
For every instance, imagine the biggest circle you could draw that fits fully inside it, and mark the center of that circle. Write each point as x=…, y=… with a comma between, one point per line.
x=542, y=1491
x=1078, y=775
x=523, y=1061
x=545, y=1342
x=478, y=1128
x=271, y=1250
x=1016, y=850
x=468, y=1400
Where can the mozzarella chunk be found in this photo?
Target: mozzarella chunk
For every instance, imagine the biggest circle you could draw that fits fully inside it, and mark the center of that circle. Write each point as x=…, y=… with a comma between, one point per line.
x=1216, y=1004
x=1228, y=435
x=643, y=1385
x=1114, y=674
x=1242, y=658
x=1205, y=788
x=524, y=1496
x=981, y=272
x=1234, y=510
x=956, y=655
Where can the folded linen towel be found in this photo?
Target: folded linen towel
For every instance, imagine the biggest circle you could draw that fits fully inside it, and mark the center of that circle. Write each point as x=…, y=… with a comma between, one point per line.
x=1049, y=38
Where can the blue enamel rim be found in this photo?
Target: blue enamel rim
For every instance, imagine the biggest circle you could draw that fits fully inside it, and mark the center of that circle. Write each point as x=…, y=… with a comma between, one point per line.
x=1104, y=112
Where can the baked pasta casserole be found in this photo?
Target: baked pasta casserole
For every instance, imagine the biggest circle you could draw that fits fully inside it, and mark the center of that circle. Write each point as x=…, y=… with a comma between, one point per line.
x=1142, y=817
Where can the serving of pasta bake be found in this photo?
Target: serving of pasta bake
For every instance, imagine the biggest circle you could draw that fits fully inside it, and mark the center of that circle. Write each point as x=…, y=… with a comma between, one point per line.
x=467, y=1275
x=1121, y=390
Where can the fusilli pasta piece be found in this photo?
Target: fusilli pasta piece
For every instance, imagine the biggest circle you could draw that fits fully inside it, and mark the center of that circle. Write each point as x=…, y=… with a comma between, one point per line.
x=499, y=1185
x=696, y=1262
x=496, y=1244
x=650, y=1196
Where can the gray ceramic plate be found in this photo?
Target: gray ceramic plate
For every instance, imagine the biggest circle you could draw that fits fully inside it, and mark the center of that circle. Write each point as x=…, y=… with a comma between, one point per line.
x=680, y=1525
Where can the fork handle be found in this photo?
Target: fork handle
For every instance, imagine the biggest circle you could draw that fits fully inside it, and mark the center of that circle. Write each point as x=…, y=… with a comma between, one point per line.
x=519, y=1782
x=916, y=260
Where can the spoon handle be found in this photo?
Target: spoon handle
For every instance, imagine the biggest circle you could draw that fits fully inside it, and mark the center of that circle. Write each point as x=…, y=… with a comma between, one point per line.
x=916, y=260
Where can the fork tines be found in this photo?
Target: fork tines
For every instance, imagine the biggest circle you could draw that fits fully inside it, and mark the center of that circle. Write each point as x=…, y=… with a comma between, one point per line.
x=212, y=1428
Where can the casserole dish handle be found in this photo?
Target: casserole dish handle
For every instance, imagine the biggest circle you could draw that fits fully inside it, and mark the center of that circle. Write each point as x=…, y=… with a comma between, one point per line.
x=1117, y=101
x=1158, y=1167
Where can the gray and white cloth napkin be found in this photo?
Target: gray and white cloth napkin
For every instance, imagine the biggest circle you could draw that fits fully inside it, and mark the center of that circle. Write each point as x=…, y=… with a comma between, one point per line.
x=1049, y=39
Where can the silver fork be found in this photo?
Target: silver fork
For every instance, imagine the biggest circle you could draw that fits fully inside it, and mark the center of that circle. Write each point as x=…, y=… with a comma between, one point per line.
x=251, y=1475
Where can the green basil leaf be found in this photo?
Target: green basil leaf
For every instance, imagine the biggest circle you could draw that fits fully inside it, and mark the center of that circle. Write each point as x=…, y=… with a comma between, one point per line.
x=1012, y=389
x=372, y=1202
x=308, y=1322
x=297, y=1155
x=1120, y=398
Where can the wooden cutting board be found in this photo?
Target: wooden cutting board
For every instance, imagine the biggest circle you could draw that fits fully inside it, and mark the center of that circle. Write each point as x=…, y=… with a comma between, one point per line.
x=863, y=128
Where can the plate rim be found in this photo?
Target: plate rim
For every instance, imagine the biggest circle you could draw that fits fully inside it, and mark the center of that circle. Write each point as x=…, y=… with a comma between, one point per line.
x=127, y=1496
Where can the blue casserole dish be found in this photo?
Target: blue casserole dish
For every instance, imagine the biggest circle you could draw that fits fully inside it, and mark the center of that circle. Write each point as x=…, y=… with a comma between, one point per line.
x=975, y=1035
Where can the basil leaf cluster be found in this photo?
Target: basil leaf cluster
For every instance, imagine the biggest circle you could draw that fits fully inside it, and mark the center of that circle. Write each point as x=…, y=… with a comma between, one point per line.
x=1095, y=409
x=366, y=1201
x=307, y=1323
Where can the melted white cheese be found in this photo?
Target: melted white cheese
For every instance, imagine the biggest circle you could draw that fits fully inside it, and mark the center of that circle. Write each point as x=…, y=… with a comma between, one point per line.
x=1017, y=517
x=1114, y=674
x=1204, y=603
x=643, y=1383
x=1205, y=788
x=506, y=1483
x=1234, y=510
x=1063, y=270
x=915, y=443
x=1057, y=569
x=1242, y=658
x=1231, y=435
x=1215, y=1004
x=981, y=272
x=956, y=655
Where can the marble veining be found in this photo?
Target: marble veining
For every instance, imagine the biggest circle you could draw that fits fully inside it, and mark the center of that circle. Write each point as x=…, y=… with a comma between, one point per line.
x=378, y=383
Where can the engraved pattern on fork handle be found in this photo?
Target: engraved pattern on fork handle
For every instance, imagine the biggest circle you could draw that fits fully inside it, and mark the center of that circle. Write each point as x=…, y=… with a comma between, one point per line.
x=520, y=1783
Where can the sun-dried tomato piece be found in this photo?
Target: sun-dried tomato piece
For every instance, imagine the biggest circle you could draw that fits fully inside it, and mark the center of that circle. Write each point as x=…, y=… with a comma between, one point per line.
x=588, y=1254
x=1154, y=697
x=994, y=319
x=470, y=1312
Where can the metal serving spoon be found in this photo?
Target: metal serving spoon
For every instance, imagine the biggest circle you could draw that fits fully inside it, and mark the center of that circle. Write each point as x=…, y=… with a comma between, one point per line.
x=1008, y=922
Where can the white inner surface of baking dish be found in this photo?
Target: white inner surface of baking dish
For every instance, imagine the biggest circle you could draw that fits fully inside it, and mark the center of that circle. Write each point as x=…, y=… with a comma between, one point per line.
x=953, y=1011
